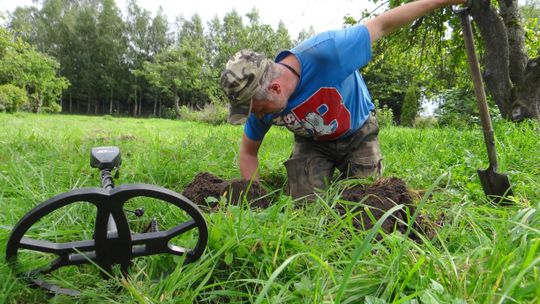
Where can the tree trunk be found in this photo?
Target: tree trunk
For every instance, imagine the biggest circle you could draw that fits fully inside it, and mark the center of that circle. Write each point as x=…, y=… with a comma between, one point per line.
x=512, y=79
x=176, y=103
x=155, y=104
x=96, y=106
x=111, y=102
x=177, y=106
x=140, y=104
x=134, y=113
x=88, y=103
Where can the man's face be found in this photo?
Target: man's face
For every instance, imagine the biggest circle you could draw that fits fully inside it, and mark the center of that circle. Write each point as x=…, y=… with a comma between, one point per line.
x=276, y=102
x=262, y=107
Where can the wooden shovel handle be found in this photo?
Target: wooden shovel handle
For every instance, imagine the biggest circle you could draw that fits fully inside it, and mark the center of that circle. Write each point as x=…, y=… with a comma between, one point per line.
x=479, y=88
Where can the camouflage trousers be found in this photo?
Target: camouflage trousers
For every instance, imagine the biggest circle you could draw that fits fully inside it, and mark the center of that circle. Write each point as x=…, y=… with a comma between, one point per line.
x=312, y=163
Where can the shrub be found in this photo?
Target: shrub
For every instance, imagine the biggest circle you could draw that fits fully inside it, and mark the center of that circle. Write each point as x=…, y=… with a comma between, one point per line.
x=12, y=98
x=410, y=106
x=212, y=113
x=422, y=122
x=457, y=108
x=51, y=108
x=385, y=115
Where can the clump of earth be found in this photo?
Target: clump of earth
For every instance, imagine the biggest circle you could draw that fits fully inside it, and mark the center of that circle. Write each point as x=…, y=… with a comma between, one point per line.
x=206, y=185
x=378, y=197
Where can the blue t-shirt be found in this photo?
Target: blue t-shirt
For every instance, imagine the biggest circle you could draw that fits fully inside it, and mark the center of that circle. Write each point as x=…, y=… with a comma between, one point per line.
x=331, y=100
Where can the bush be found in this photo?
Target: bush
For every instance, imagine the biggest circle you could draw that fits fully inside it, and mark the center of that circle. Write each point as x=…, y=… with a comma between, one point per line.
x=385, y=115
x=425, y=122
x=12, y=98
x=213, y=113
x=51, y=108
x=457, y=108
x=410, y=106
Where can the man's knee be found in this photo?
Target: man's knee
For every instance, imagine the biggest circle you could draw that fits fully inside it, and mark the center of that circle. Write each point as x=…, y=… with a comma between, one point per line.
x=306, y=175
x=365, y=161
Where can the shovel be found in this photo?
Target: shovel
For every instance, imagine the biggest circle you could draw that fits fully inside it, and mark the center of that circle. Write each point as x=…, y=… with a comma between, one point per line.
x=496, y=185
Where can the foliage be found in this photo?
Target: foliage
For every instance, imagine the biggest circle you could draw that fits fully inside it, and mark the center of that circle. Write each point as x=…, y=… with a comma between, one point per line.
x=387, y=83
x=12, y=98
x=476, y=252
x=432, y=50
x=456, y=108
x=411, y=106
x=422, y=122
x=531, y=13
x=36, y=73
x=212, y=113
x=125, y=65
x=385, y=115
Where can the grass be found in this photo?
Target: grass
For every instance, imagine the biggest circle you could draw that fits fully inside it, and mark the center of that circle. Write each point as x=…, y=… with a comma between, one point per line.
x=288, y=253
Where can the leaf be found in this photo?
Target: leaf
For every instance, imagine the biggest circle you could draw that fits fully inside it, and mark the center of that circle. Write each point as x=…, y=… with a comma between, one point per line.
x=374, y=300
x=228, y=258
x=436, y=286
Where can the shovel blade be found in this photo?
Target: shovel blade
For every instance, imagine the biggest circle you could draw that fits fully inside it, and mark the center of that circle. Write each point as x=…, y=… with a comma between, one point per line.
x=496, y=185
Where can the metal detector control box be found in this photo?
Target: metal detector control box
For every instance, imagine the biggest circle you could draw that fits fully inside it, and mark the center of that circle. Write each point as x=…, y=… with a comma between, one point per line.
x=105, y=158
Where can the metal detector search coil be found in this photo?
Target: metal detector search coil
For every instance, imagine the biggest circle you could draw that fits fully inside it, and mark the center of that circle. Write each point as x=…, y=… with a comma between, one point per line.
x=114, y=242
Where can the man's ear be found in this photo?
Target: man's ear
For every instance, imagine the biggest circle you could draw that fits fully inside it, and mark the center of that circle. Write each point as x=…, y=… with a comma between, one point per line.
x=275, y=87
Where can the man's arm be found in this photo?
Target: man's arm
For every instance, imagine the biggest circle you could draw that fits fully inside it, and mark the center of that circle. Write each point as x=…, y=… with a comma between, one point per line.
x=249, y=160
x=403, y=15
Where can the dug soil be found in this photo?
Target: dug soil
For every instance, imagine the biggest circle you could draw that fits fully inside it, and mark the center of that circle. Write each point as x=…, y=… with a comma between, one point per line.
x=374, y=200
x=356, y=200
x=206, y=185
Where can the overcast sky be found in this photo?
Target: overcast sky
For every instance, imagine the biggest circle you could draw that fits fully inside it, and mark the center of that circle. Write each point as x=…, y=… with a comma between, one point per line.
x=296, y=14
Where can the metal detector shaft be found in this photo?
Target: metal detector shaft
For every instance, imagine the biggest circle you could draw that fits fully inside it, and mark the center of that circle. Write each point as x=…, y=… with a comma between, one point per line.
x=108, y=183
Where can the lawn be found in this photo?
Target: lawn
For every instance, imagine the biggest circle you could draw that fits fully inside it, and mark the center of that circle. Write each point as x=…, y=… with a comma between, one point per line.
x=289, y=253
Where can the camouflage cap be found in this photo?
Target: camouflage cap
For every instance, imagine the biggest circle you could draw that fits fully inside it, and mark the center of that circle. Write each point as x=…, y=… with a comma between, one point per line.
x=243, y=76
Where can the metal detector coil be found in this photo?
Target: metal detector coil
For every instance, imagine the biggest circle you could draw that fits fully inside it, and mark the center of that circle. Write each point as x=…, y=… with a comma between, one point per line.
x=113, y=241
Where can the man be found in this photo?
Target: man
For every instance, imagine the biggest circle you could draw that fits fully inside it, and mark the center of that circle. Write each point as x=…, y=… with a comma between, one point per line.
x=317, y=92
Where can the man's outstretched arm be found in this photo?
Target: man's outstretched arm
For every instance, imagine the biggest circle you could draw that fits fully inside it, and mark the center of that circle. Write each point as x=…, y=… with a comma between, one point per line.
x=249, y=160
x=403, y=15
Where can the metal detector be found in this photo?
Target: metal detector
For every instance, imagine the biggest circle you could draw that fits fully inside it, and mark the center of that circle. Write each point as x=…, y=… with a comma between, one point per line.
x=112, y=242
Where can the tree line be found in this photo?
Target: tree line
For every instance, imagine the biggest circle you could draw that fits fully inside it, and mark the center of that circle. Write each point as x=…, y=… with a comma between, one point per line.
x=85, y=56
x=137, y=64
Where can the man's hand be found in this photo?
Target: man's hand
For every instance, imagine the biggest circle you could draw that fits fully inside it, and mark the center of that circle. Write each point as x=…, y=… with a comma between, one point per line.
x=403, y=15
x=249, y=161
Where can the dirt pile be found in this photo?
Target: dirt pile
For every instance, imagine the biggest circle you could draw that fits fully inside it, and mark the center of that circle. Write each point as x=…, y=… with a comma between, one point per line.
x=208, y=185
x=380, y=197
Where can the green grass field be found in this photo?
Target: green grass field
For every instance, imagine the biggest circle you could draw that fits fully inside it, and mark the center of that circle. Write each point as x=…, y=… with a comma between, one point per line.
x=483, y=253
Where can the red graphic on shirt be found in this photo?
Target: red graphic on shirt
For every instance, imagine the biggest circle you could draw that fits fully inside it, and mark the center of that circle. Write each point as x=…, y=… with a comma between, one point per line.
x=324, y=115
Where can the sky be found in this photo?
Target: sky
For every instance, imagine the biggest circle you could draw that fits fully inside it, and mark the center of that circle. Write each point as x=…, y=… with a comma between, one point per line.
x=296, y=14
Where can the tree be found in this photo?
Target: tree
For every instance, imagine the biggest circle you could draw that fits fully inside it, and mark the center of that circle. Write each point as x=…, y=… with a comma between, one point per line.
x=12, y=98
x=172, y=73
x=139, y=51
x=512, y=77
x=22, y=66
x=111, y=43
x=305, y=34
x=411, y=105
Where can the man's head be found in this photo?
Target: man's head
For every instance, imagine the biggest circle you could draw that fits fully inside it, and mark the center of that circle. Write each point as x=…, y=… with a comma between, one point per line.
x=244, y=75
x=249, y=78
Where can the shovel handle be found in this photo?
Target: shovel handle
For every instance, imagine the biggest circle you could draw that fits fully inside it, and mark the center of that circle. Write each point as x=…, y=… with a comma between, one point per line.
x=478, y=88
